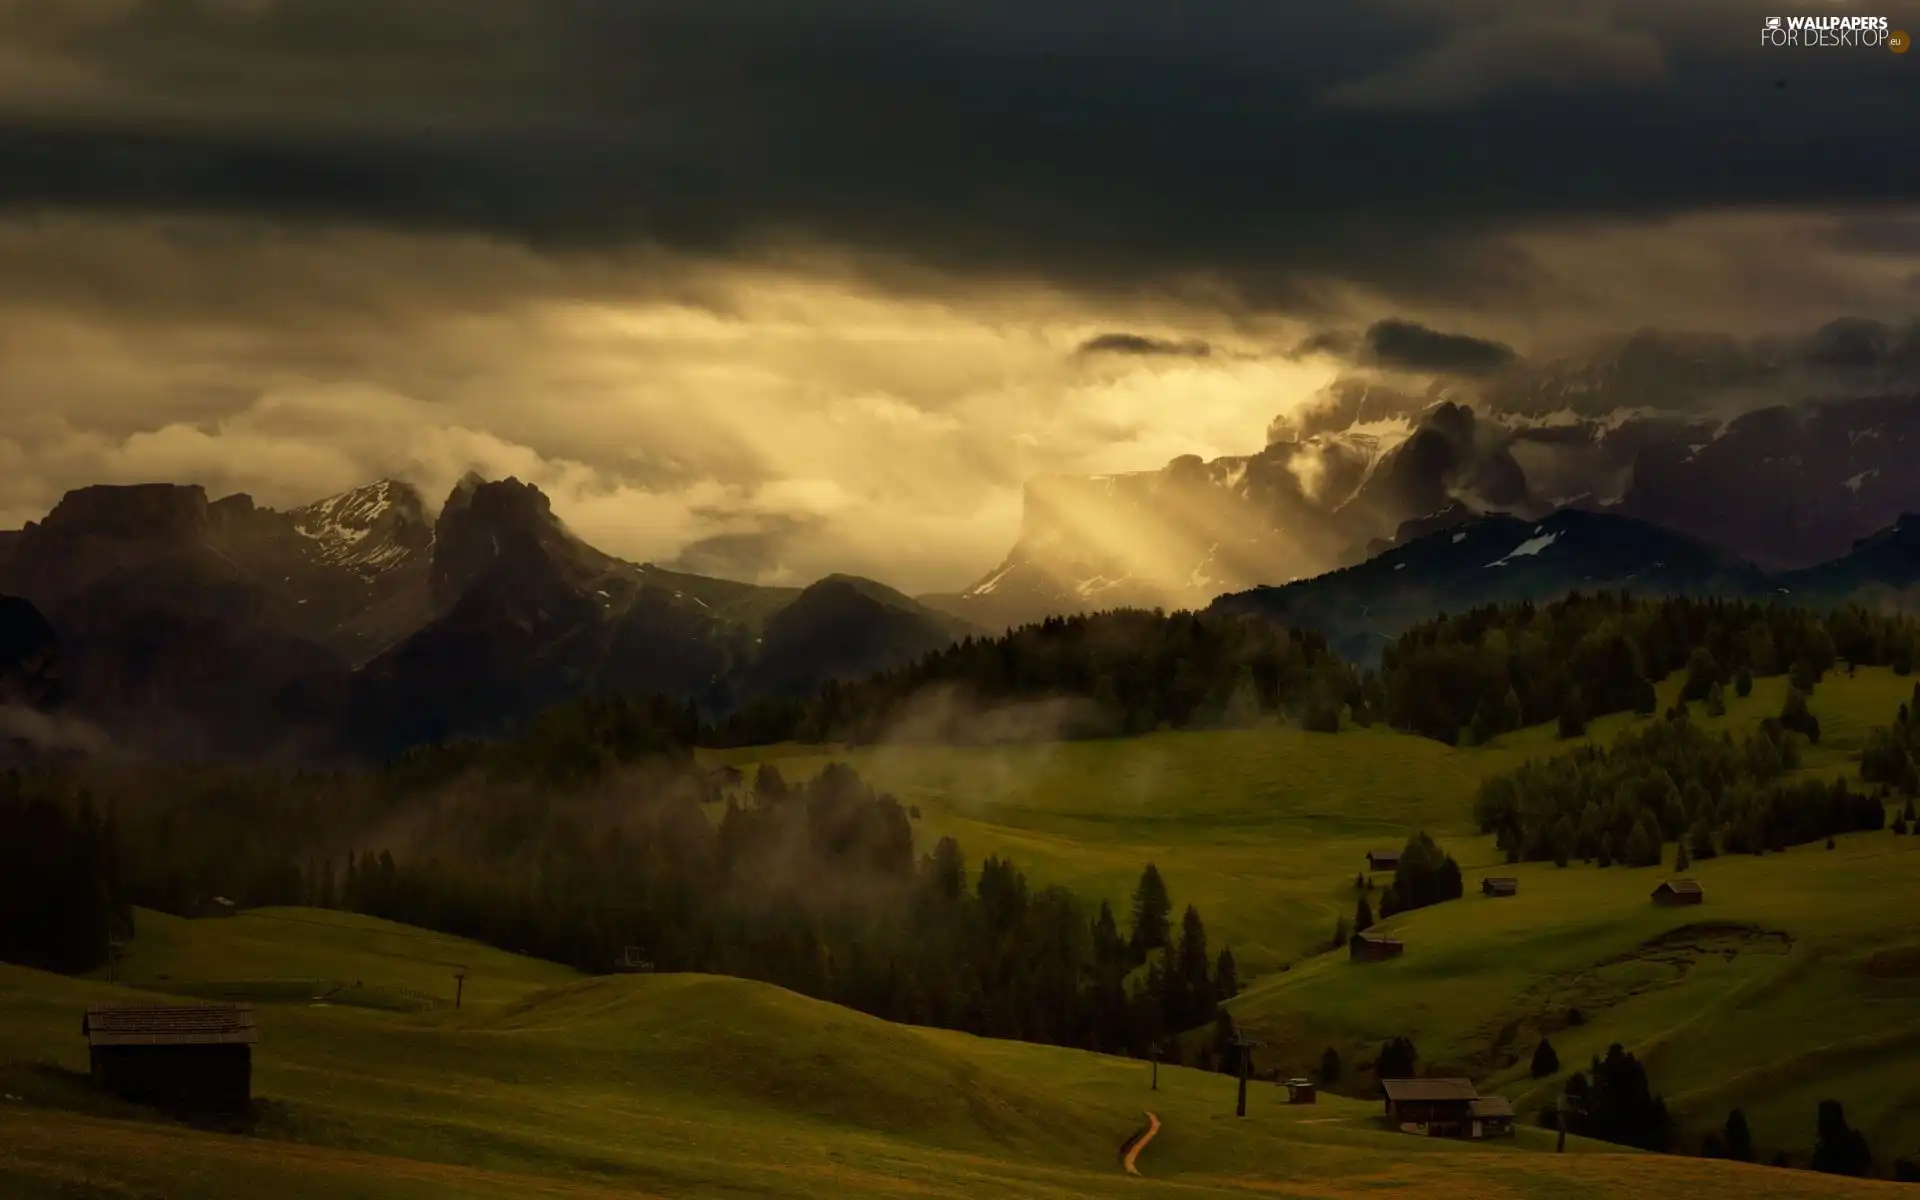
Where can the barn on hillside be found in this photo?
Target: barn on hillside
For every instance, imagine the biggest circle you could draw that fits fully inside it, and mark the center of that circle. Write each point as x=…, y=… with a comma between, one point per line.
x=1679, y=891
x=1374, y=947
x=1383, y=860
x=196, y=1057
x=1301, y=1091
x=1434, y=1107
x=1500, y=887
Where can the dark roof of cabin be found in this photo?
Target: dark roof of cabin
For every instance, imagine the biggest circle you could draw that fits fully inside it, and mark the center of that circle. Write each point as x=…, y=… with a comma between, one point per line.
x=170, y=1025
x=1501, y=882
x=1393, y=854
x=1378, y=939
x=1399, y=1090
x=1491, y=1106
x=1681, y=887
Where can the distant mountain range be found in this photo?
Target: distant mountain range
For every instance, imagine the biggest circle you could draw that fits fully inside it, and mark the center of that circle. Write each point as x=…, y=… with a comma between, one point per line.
x=152, y=617
x=1686, y=432
x=1502, y=559
x=359, y=624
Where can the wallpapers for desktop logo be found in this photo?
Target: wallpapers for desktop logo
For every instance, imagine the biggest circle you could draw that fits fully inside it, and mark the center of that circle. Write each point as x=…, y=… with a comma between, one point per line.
x=1833, y=31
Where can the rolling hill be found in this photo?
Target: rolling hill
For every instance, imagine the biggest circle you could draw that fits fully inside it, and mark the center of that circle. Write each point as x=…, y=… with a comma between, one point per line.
x=1264, y=831
x=707, y=1087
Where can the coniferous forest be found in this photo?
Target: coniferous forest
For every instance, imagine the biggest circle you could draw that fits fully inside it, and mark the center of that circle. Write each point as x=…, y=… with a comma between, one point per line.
x=813, y=886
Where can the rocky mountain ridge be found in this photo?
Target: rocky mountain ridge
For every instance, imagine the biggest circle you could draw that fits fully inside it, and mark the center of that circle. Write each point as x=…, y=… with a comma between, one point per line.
x=358, y=625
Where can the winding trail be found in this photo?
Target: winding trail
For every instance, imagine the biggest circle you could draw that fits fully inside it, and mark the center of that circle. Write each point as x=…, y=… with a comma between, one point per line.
x=1140, y=1143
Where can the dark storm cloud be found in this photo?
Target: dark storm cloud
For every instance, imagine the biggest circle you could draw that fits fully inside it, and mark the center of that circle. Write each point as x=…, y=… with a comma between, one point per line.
x=1410, y=346
x=1141, y=345
x=1094, y=144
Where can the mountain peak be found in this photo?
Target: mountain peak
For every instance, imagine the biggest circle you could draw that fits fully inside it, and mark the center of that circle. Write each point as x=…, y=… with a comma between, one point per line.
x=368, y=529
x=131, y=512
x=505, y=521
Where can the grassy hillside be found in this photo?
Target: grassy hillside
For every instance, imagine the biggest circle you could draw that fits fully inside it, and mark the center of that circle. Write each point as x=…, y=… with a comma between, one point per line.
x=705, y=1087
x=1813, y=995
x=293, y=954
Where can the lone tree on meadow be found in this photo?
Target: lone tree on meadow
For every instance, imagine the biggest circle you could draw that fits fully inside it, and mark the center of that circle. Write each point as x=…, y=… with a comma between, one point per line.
x=1739, y=1139
x=1330, y=1067
x=1545, y=1061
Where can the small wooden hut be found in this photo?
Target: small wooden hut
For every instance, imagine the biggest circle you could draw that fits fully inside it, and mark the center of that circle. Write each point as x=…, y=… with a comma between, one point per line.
x=193, y=1056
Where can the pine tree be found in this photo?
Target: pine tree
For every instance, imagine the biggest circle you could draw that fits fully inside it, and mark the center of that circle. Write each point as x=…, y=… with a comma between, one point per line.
x=1573, y=714
x=1226, y=977
x=1362, y=916
x=1642, y=850
x=1396, y=1060
x=1700, y=841
x=1545, y=1061
x=1681, y=859
x=1193, y=968
x=1738, y=1138
x=1108, y=949
x=1330, y=1067
x=1838, y=1148
x=1152, y=913
x=1743, y=683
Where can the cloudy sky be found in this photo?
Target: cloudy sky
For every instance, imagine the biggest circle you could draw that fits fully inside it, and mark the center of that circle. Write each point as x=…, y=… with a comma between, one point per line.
x=770, y=288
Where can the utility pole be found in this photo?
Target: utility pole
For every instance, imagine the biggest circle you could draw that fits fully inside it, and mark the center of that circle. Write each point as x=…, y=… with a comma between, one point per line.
x=1153, y=1054
x=1245, y=1045
x=459, y=985
x=1560, y=1113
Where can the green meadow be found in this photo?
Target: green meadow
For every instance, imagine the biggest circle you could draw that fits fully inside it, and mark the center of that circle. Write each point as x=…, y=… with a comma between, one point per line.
x=695, y=1086
x=1799, y=978
x=1815, y=993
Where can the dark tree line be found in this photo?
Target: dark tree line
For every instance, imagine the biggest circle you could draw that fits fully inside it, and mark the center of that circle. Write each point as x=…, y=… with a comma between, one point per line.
x=815, y=886
x=1131, y=671
x=1496, y=669
x=1668, y=781
x=1475, y=675
x=62, y=891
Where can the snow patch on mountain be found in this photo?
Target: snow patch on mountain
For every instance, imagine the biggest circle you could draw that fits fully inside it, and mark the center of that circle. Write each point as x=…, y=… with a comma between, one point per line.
x=1856, y=482
x=1528, y=548
x=369, y=529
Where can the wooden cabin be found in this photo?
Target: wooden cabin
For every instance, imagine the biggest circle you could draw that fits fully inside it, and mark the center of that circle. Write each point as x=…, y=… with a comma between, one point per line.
x=1490, y=1116
x=1679, y=891
x=1374, y=947
x=1432, y=1107
x=1500, y=887
x=1383, y=860
x=1301, y=1091
x=196, y=1057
